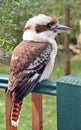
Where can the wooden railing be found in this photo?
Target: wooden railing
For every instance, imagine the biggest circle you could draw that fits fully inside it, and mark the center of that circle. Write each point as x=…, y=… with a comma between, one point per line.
x=68, y=92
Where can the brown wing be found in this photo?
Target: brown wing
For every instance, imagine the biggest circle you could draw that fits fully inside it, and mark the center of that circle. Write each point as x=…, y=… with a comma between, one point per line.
x=28, y=62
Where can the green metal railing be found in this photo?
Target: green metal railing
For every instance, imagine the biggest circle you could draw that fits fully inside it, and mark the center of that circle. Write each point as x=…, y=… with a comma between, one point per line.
x=45, y=87
x=48, y=86
x=69, y=103
x=68, y=92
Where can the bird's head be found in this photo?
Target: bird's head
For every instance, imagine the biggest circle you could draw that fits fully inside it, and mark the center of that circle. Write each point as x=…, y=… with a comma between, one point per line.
x=42, y=28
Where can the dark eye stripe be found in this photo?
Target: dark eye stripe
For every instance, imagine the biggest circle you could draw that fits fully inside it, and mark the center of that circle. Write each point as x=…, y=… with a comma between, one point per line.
x=48, y=25
x=41, y=28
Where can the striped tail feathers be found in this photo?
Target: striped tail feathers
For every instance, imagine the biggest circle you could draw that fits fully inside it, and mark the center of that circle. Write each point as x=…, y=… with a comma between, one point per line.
x=15, y=114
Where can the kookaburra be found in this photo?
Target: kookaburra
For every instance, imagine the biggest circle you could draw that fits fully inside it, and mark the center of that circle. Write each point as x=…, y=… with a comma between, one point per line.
x=33, y=59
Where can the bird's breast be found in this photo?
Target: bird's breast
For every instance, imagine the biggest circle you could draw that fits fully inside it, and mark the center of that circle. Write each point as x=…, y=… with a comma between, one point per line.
x=49, y=67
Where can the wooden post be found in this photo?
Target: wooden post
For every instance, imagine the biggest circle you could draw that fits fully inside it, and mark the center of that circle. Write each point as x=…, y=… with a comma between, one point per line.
x=37, y=112
x=8, y=112
x=66, y=14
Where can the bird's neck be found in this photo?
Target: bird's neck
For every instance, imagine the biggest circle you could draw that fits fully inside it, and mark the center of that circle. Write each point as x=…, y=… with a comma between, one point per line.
x=42, y=37
x=37, y=37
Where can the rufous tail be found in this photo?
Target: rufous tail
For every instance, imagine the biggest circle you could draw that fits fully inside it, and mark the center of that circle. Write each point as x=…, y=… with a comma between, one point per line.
x=15, y=114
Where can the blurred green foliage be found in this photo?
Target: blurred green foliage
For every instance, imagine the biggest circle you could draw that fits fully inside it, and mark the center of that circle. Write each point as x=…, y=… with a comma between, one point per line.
x=14, y=14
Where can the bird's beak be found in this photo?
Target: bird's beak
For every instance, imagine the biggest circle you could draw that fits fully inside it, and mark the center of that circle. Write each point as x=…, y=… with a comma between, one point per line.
x=61, y=29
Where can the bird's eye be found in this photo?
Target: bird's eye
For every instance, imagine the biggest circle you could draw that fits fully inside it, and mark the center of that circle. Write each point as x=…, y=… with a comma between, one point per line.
x=49, y=25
